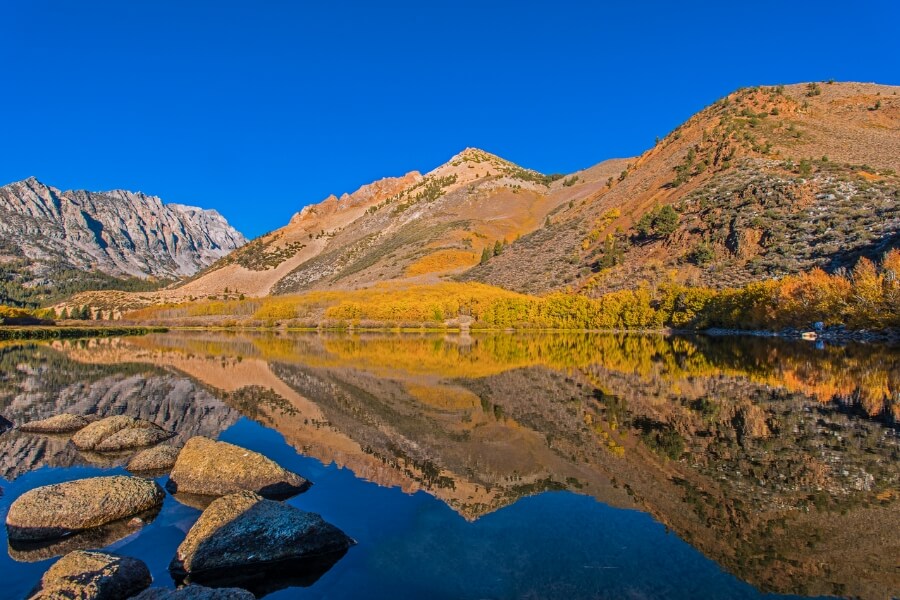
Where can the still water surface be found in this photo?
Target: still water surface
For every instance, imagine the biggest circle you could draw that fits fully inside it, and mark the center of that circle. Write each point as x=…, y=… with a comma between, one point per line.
x=507, y=466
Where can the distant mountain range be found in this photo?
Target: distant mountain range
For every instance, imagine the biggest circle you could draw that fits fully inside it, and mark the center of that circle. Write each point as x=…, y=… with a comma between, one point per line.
x=73, y=240
x=764, y=182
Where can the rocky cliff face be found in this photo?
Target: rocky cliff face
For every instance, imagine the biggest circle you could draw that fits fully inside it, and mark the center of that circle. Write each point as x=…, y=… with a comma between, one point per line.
x=119, y=233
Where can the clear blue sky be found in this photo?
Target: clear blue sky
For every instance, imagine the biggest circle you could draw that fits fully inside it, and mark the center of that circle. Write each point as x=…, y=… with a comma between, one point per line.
x=258, y=108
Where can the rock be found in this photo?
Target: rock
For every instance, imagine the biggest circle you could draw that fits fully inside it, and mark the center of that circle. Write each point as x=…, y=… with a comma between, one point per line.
x=63, y=423
x=244, y=530
x=195, y=592
x=217, y=468
x=5, y=424
x=60, y=509
x=157, y=458
x=118, y=433
x=93, y=576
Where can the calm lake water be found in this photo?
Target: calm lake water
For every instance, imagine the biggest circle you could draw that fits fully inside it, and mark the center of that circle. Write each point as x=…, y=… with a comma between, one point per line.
x=507, y=466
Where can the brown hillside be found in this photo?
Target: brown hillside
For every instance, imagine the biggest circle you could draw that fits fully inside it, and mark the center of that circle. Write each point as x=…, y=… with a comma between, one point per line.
x=767, y=181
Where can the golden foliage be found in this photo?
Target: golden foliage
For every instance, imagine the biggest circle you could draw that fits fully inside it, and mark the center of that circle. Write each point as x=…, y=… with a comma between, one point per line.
x=442, y=261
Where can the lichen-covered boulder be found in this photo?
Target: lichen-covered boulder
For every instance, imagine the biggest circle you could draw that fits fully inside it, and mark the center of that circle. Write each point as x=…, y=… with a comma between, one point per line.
x=245, y=530
x=114, y=434
x=195, y=592
x=92, y=576
x=60, y=509
x=155, y=459
x=64, y=423
x=213, y=468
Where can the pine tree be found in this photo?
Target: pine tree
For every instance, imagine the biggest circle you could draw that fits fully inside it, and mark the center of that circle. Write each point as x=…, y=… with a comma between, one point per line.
x=485, y=256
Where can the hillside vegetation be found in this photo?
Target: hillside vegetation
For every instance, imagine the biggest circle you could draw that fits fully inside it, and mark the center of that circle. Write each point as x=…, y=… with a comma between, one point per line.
x=868, y=296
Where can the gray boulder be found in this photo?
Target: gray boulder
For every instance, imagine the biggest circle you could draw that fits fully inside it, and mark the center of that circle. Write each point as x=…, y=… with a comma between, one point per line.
x=245, y=531
x=92, y=576
x=53, y=511
x=213, y=468
x=114, y=434
x=64, y=423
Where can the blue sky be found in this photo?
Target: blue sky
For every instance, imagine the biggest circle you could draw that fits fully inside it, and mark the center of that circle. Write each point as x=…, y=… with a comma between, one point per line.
x=259, y=108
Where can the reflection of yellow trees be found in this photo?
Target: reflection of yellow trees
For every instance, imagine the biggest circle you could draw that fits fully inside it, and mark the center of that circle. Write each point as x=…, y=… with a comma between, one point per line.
x=857, y=374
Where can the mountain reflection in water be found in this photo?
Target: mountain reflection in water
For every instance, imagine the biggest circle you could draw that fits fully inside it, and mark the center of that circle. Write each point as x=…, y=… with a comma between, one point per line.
x=775, y=459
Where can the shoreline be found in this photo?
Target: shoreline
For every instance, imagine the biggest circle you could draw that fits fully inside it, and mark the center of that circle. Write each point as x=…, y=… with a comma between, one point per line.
x=57, y=332
x=831, y=335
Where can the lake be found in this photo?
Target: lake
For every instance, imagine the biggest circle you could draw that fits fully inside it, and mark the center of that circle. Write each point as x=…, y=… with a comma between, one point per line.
x=506, y=466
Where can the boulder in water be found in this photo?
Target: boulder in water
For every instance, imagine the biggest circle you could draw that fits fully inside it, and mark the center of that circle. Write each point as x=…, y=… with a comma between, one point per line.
x=213, y=468
x=157, y=458
x=64, y=423
x=114, y=434
x=60, y=509
x=244, y=531
x=92, y=576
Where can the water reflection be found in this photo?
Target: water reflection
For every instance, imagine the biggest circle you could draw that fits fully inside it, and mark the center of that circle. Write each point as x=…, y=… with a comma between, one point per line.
x=776, y=459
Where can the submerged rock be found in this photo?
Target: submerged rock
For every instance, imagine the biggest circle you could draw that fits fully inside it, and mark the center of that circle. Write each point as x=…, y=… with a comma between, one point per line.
x=53, y=511
x=93, y=576
x=244, y=531
x=195, y=592
x=114, y=434
x=217, y=468
x=157, y=458
x=64, y=423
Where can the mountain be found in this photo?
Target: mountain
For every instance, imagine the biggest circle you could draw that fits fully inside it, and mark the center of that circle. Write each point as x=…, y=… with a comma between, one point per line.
x=51, y=237
x=415, y=227
x=765, y=182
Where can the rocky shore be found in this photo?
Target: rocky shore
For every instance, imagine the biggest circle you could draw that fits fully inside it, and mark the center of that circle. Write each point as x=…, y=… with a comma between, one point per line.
x=244, y=534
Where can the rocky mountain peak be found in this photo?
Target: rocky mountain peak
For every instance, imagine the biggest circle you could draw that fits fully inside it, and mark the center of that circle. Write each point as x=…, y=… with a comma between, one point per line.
x=118, y=232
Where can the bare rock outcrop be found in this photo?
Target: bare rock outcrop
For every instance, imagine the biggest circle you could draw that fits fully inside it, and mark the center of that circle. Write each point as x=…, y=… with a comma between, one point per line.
x=120, y=233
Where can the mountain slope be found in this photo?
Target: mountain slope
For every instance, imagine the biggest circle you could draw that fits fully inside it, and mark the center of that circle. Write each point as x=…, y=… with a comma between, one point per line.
x=764, y=182
x=416, y=227
x=46, y=233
